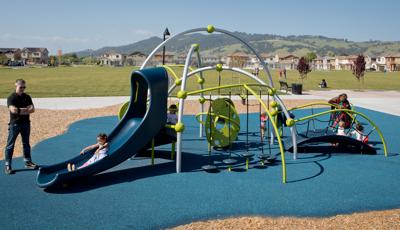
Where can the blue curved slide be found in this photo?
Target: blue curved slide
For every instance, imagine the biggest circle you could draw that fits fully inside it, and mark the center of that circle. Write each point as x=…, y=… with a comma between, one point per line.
x=136, y=129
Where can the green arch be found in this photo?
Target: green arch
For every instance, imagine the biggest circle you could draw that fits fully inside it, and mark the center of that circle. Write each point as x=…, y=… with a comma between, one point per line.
x=352, y=112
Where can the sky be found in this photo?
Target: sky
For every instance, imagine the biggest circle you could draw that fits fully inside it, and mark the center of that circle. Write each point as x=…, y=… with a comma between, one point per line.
x=76, y=25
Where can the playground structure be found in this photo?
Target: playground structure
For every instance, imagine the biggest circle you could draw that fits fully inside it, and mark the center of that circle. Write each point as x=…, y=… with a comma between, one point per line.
x=221, y=123
x=188, y=72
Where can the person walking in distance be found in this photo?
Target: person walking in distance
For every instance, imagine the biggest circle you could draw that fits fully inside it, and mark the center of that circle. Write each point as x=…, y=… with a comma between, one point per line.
x=20, y=106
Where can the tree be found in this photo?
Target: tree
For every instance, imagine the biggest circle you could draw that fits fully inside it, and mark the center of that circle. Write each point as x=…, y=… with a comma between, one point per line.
x=68, y=59
x=310, y=56
x=88, y=60
x=17, y=56
x=359, y=68
x=53, y=60
x=303, y=67
x=3, y=59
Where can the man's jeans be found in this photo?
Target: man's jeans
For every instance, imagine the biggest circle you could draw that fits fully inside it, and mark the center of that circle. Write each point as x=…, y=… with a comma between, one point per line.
x=13, y=131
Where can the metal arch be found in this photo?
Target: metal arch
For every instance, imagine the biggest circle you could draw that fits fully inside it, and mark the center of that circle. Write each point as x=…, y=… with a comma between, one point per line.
x=208, y=68
x=275, y=128
x=266, y=70
x=226, y=87
x=180, y=110
x=171, y=71
x=168, y=40
x=203, y=29
x=202, y=95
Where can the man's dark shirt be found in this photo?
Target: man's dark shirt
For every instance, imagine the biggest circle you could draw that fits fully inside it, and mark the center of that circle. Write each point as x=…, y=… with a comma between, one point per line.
x=18, y=101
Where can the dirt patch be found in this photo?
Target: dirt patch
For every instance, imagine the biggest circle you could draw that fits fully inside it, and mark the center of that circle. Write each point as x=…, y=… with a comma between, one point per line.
x=48, y=123
x=369, y=220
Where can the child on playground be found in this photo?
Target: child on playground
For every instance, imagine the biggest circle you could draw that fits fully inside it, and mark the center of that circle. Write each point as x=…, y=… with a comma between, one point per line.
x=172, y=118
x=101, y=147
x=263, y=123
x=358, y=133
x=341, y=129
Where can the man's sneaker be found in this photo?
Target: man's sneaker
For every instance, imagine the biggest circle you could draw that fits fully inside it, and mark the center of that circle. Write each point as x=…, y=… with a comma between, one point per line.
x=30, y=165
x=8, y=170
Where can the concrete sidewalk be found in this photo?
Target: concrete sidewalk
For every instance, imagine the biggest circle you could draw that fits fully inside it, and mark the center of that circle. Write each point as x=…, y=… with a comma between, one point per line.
x=382, y=101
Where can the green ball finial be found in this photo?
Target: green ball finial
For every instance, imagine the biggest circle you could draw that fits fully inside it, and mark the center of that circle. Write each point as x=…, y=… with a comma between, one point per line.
x=273, y=104
x=290, y=122
x=210, y=29
x=196, y=47
x=182, y=94
x=271, y=91
x=179, y=127
x=274, y=112
x=202, y=100
x=219, y=67
x=200, y=80
x=178, y=82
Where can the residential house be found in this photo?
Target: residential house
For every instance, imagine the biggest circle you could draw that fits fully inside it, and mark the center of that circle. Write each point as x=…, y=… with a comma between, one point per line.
x=180, y=59
x=238, y=59
x=12, y=54
x=168, y=58
x=381, y=64
x=210, y=60
x=318, y=63
x=370, y=63
x=225, y=60
x=252, y=62
x=345, y=62
x=135, y=59
x=393, y=62
x=271, y=61
x=112, y=58
x=33, y=55
x=288, y=62
x=323, y=63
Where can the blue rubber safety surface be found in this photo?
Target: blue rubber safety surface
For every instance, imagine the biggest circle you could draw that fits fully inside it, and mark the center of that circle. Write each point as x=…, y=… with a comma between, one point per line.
x=136, y=195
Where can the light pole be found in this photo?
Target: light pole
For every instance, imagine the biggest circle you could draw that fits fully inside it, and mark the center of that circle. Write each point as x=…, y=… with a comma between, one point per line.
x=165, y=36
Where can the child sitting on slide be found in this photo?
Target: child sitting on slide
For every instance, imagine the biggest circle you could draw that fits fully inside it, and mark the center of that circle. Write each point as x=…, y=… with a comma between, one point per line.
x=101, y=147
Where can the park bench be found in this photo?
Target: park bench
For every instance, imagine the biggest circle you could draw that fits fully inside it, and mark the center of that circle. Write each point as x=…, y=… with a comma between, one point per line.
x=284, y=86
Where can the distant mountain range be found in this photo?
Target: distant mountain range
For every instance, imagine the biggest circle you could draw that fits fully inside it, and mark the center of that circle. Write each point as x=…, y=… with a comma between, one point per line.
x=221, y=45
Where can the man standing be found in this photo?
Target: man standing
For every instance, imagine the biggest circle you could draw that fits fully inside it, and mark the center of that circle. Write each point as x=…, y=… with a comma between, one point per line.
x=20, y=105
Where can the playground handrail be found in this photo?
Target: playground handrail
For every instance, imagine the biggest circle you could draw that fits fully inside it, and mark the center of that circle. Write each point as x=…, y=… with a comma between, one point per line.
x=353, y=112
x=275, y=129
x=328, y=104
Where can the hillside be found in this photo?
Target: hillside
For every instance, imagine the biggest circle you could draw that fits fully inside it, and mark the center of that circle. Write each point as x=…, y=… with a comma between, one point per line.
x=218, y=44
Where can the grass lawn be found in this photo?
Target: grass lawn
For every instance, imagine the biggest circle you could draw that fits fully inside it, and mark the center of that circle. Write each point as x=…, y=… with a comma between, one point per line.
x=109, y=81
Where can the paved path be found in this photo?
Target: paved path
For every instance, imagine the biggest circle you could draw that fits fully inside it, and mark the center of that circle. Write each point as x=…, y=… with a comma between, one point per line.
x=382, y=101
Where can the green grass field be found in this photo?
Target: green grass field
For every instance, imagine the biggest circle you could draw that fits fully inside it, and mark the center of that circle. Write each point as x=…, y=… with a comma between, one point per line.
x=109, y=81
